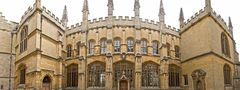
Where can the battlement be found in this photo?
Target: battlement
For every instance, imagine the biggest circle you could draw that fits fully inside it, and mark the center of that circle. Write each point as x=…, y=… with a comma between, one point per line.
x=27, y=13
x=121, y=21
x=200, y=14
x=52, y=17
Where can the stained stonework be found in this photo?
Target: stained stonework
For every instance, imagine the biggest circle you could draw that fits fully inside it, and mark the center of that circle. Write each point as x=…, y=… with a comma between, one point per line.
x=117, y=53
x=6, y=55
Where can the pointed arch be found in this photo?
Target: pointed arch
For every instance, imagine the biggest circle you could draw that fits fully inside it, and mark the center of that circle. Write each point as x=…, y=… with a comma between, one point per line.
x=227, y=74
x=225, y=45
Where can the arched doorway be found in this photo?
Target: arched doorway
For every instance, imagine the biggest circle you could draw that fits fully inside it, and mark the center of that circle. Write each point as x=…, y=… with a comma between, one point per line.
x=46, y=83
x=199, y=85
x=123, y=85
x=199, y=79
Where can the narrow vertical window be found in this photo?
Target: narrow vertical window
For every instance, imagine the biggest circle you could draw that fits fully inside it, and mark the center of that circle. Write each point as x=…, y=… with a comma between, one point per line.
x=143, y=46
x=69, y=50
x=91, y=46
x=155, y=48
x=78, y=48
x=130, y=45
x=225, y=45
x=177, y=51
x=23, y=39
x=185, y=79
x=227, y=74
x=22, y=75
x=103, y=46
x=117, y=45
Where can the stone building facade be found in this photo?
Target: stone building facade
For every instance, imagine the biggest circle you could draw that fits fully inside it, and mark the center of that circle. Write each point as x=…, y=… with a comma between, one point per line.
x=119, y=53
x=7, y=54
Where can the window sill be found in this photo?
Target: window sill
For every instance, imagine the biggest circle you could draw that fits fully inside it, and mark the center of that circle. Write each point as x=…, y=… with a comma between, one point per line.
x=130, y=53
x=21, y=86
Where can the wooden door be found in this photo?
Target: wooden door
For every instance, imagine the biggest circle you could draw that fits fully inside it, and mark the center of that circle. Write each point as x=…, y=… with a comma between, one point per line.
x=123, y=85
x=46, y=86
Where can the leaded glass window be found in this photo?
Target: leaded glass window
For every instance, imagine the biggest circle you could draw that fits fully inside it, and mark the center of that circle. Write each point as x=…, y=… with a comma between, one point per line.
x=155, y=48
x=96, y=75
x=143, y=46
x=78, y=48
x=91, y=46
x=130, y=45
x=174, y=76
x=103, y=46
x=227, y=74
x=124, y=68
x=150, y=75
x=22, y=73
x=225, y=45
x=177, y=51
x=69, y=50
x=72, y=75
x=117, y=45
x=24, y=39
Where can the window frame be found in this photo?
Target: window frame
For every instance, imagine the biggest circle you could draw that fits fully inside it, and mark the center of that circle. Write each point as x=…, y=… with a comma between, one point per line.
x=130, y=45
x=144, y=46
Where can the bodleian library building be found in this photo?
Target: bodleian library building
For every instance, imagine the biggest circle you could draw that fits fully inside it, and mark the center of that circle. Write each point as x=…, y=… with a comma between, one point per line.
x=40, y=52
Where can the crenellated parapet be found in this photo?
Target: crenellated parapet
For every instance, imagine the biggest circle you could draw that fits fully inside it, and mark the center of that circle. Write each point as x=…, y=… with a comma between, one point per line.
x=6, y=25
x=45, y=12
x=122, y=21
x=202, y=13
x=52, y=17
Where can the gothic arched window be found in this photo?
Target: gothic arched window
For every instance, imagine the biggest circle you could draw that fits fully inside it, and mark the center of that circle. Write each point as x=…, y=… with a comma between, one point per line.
x=227, y=74
x=72, y=75
x=177, y=51
x=23, y=39
x=103, y=46
x=96, y=75
x=22, y=73
x=69, y=50
x=78, y=48
x=91, y=46
x=168, y=49
x=117, y=45
x=150, y=75
x=130, y=45
x=174, y=76
x=144, y=46
x=155, y=47
x=225, y=45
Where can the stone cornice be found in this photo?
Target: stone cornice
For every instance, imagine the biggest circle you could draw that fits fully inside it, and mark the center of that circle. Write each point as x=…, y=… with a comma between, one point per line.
x=205, y=54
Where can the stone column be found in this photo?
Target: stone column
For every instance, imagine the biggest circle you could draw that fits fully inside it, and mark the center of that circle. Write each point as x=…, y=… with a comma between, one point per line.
x=164, y=75
x=109, y=72
x=138, y=70
x=82, y=79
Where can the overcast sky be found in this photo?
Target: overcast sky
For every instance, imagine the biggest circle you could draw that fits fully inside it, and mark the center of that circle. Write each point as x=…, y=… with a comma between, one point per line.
x=14, y=9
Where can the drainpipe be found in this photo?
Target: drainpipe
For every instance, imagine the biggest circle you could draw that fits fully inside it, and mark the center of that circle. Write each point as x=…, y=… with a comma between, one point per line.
x=10, y=62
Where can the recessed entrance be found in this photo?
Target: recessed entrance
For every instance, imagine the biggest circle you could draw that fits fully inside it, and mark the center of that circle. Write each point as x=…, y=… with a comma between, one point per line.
x=46, y=83
x=123, y=85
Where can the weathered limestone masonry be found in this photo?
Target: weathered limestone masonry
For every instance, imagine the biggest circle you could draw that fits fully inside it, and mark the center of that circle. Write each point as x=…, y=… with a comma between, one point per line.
x=118, y=52
x=7, y=54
